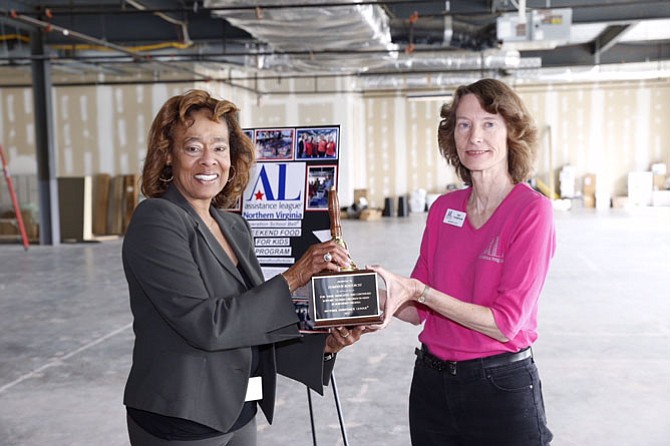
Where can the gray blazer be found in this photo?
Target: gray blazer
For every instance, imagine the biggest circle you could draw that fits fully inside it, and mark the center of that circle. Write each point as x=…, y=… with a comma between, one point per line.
x=195, y=320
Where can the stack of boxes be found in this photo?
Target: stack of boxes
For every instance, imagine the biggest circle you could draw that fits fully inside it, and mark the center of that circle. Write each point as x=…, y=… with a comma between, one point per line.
x=589, y=190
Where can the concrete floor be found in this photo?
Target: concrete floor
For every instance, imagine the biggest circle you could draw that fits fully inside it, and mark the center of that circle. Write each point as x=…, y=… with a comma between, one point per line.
x=603, y=353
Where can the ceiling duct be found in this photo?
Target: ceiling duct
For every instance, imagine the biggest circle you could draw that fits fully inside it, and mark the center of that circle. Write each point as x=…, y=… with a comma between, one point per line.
x=324, y=33
x=353, y=38
x=460, y=60
x=445, y=31
x=432, y=70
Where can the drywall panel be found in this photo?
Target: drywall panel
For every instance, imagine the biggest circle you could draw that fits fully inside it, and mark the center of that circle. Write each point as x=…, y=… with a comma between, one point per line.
x=609, y=129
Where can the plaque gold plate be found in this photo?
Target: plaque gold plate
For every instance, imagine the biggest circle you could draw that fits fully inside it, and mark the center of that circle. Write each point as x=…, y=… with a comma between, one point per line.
x=348, y=297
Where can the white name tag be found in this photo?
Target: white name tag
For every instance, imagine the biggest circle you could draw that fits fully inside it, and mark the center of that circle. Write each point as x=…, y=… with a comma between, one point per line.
x=454, y=218
x=255, y=389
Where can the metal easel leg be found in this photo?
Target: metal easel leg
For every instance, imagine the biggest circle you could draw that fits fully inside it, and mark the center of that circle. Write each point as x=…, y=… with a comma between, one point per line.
x=339, y=409
x=311, y=415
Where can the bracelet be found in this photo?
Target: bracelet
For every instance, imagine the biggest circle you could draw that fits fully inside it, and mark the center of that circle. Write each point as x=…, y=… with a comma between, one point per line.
x=328, y=356
x=422, y=297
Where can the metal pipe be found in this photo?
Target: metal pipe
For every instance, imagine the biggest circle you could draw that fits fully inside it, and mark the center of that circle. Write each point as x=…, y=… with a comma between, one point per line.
x=210, y=56
x=80, y=10
x=182, y=25
x=46, y=26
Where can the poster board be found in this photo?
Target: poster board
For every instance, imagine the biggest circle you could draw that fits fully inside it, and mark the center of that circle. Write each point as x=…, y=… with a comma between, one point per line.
x=286, y=199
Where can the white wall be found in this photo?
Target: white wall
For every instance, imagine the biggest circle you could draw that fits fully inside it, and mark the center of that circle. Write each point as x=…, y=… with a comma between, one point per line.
x=388, y=143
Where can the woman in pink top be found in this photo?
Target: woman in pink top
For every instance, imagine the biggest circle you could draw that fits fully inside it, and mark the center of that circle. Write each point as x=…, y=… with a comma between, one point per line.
x=484, y=258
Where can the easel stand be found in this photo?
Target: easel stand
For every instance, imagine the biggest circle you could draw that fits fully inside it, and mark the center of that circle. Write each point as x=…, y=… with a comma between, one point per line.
x=15, y=202
x=336, y=395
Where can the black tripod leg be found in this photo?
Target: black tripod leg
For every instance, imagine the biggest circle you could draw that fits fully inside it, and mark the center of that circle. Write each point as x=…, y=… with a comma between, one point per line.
x=339, y=410
x=311, y=415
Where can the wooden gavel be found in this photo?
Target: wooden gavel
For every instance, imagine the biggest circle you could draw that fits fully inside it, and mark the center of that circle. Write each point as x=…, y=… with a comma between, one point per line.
x=336, y=225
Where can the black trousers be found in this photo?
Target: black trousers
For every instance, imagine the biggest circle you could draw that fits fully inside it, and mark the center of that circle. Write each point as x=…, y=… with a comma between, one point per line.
x=472, y=405
x=245, y=436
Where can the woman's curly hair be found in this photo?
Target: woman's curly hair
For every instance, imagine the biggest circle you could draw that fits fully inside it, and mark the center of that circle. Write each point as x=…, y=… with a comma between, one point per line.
x=177, y=112
x=495, y=97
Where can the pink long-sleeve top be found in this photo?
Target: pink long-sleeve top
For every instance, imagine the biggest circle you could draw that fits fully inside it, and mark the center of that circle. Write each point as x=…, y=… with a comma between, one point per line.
x=501, y=265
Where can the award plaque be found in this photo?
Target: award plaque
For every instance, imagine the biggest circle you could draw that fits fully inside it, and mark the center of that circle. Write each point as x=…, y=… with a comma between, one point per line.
x=348, y=297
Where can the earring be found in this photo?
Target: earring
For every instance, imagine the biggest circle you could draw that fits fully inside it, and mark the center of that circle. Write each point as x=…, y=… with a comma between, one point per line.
x=230, y=178
x=166, y=175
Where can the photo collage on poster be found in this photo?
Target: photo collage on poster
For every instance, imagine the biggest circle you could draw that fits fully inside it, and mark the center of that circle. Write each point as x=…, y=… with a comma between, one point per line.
x=286, y=200
x=314, y=149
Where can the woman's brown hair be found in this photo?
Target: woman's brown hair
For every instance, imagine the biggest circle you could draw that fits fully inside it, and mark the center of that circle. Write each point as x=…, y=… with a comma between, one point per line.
x=176, y=112
x=495, y=97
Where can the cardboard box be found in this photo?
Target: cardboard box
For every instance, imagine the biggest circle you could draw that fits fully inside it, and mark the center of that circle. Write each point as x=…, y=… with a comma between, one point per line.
x=567, y=180
x=9, y=226
x=619, y=202
x=360, y=193
x=659, y=172
x=75, y=205
x=589, y=201
x=589, y=185
x=640, y=188
x=660, y=198
x=659, y=182
x=371, y=214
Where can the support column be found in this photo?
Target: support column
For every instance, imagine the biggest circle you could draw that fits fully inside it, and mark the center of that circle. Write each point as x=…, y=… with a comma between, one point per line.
x=44, y=142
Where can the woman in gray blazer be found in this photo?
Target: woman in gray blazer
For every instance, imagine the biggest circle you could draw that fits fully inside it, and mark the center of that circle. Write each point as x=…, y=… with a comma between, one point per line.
x=210, y=333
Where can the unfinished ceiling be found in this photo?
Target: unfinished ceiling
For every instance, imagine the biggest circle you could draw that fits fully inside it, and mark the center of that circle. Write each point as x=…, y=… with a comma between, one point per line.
x=392, y=45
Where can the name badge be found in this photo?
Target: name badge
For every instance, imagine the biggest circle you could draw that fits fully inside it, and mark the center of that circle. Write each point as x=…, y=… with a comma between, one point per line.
x=454, y=218
x=255, y=389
